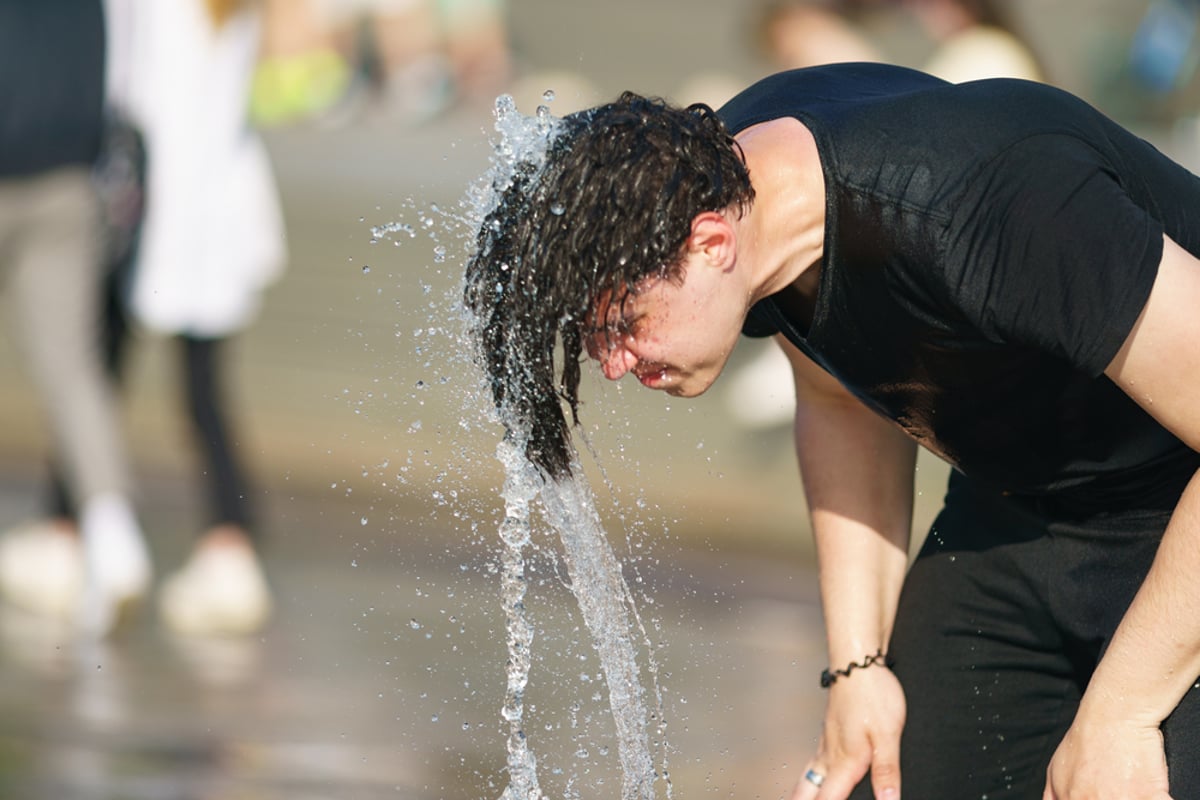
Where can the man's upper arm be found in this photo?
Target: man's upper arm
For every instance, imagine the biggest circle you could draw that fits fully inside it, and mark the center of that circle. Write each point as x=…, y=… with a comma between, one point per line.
x=1159, y=363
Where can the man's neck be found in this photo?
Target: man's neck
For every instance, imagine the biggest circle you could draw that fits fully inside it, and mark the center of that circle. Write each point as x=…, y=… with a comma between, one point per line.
x=782, y=237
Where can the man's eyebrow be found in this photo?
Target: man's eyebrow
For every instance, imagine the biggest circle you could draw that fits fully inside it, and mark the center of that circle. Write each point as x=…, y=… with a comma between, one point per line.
x=621, y=322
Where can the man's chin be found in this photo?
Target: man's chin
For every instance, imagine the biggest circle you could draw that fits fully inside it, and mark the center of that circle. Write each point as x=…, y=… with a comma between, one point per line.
x=688, y=389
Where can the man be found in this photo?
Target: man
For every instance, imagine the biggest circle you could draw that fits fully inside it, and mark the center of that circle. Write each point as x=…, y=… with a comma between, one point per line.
x=993, y=270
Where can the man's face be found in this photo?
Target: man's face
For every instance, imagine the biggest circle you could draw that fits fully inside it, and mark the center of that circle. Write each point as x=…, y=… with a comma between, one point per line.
x=674, y=336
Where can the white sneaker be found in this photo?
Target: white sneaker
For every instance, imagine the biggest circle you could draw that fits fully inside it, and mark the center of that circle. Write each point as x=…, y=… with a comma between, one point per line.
x=221, y=591
x=116, y=563
x=41, y=568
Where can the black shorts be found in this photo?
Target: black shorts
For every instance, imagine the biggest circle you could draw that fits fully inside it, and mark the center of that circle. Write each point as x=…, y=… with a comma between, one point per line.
x=1002, y=619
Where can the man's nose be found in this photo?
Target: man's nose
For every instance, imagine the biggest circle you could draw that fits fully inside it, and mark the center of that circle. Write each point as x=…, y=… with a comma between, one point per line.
x=617, y=361
x=610, y=350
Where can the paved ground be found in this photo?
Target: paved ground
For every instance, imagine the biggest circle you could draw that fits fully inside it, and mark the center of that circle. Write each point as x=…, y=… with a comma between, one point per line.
x=383, y=673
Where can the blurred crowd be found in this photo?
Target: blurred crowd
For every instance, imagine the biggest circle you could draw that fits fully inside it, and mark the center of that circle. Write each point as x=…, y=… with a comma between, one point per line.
x=403, y=60
x=134, y=198
x=137, y=199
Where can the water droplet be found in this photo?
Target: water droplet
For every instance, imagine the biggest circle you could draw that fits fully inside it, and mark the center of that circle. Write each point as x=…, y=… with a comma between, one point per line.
x=548, y=95
x=366, y=269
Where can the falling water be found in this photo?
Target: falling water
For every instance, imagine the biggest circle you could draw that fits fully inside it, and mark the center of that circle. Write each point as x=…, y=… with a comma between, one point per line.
x=608, y=612
x=605, y=603
x=520, y=489
x=594, y=570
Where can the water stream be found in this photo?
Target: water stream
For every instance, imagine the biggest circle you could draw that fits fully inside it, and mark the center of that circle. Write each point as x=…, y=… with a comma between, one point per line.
x=594, y=571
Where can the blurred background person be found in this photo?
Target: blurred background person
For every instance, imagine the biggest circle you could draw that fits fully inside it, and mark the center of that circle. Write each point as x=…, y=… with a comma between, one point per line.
x=805, y=33
x=1160, y=78
x=209, y=240
x=303, y=72
x=975, y=39
x=406, y=61
x=212, y=239
x=400, y=65
x=476, y=36
x=52, y=68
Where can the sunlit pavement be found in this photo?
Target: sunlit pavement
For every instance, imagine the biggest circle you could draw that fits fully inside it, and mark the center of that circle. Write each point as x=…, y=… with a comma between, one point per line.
x=382, y=675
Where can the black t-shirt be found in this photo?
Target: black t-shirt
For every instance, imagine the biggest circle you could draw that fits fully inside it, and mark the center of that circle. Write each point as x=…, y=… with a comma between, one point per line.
x=988, y=247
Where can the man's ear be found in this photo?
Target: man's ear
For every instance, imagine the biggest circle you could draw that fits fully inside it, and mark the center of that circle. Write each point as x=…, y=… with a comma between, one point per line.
x=713, y=237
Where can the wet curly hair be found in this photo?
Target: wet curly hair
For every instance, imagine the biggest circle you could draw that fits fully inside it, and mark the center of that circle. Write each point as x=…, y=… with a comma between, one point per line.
x=611, y=207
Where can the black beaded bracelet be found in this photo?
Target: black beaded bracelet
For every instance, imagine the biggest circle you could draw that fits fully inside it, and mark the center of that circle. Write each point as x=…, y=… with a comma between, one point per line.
x=828, y=677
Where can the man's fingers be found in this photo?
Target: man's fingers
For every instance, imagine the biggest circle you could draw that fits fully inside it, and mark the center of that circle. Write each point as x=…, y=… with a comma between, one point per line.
x=837, y=783
x=885, y=775
x=804, y=791
x=810, y=784
x=840, y=785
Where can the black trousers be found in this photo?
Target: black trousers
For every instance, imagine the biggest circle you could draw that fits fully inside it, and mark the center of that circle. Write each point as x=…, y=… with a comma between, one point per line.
x=1002, y=619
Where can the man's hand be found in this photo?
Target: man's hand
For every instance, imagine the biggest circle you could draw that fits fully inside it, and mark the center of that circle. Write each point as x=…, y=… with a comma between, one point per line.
x=863, y=722
x=1107, y=760
x=857, y=470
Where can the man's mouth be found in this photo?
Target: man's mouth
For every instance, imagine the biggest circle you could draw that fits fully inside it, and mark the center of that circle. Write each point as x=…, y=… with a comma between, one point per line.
x=652, y=375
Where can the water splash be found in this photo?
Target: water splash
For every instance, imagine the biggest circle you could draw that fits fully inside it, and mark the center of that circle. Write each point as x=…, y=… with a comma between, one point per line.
x=604, y=599
x=522, y=140
x=520, y=489
x=607, y=608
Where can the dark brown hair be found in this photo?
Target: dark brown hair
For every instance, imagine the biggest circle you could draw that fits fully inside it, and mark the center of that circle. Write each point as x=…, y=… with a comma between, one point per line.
x=611, y=206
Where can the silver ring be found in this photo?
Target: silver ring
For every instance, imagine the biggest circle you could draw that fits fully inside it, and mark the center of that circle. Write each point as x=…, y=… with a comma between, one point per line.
x=814, y=777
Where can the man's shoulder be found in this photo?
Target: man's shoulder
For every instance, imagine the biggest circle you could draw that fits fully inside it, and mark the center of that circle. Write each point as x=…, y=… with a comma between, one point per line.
x=821, y=90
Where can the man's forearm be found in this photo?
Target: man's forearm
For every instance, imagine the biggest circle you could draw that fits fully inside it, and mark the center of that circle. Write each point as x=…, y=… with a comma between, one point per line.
x=858, y=473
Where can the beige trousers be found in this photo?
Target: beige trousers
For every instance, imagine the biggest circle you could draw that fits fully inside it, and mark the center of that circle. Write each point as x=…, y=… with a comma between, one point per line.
x=50, y=266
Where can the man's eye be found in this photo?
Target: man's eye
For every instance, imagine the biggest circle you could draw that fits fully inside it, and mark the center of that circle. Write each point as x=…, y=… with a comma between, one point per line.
x=611, y=327
x=622, y=327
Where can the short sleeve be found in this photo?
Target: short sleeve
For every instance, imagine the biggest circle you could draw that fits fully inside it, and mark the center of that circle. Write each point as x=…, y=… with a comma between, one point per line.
x=1048, y=250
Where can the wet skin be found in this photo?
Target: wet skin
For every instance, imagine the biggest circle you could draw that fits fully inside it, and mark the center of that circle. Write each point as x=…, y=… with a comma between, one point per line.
x=674, y=334
x=664, y=335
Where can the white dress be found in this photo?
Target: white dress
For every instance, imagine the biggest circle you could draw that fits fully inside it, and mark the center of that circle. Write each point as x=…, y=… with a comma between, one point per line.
x=212, y=236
